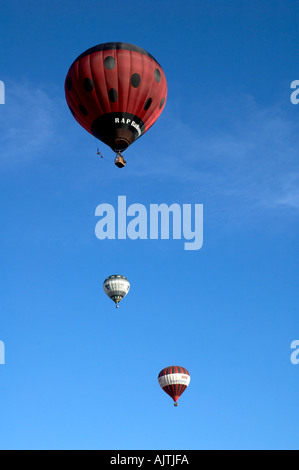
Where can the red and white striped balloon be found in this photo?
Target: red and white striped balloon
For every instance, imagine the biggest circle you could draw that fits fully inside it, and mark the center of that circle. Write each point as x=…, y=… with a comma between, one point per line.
x=174, y=380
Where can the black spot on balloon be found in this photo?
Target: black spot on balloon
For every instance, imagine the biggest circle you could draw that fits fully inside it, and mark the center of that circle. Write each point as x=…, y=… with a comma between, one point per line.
x=135, y=80
x=147, y=104
x=162, y=102
x=72, y=111
x=157, y=75
x=109, y=62
x=83, y=109
x=112, y=95
x=88, y=84
x=69, y=83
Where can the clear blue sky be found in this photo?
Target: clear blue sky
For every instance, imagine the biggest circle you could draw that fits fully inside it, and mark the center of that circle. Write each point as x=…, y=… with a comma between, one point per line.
x=80, y=374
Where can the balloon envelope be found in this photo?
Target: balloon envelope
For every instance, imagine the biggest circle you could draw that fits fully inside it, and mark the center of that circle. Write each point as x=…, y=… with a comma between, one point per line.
x=174, y=380
x=116, y=287
x=116, y=91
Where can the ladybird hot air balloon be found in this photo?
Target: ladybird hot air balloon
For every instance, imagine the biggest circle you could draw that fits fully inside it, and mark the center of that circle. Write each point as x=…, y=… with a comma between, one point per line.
x=174, y=380
x=116, y=287
x=116, y=91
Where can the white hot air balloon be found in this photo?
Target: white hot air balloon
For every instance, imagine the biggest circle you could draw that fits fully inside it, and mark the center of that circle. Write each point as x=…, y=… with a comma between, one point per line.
x=116, y=287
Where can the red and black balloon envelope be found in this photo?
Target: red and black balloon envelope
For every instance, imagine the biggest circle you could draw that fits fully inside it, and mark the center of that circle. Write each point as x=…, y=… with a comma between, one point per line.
x=174, y=380
x=116, y=91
